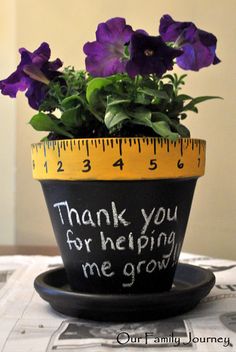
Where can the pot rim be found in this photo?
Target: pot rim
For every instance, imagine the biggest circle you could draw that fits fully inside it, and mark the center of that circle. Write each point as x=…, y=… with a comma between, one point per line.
x=118, y=158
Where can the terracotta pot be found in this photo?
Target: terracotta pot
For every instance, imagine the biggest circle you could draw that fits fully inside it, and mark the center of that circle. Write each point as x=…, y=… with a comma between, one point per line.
x=119, y=219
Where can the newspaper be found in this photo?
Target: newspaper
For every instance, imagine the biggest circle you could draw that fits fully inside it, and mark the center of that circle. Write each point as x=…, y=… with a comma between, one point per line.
x=27, y=323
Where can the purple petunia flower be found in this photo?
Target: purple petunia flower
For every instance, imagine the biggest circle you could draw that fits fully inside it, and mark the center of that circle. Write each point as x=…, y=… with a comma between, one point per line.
x=198, y=46
x=150, y=55
x=105, y=56
x=32, y=74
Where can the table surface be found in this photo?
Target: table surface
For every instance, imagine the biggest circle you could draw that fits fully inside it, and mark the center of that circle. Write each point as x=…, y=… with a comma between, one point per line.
x=27, y=323
x=29, y=250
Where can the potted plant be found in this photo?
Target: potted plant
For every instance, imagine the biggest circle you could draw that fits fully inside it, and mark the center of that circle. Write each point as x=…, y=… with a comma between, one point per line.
x=118, y=168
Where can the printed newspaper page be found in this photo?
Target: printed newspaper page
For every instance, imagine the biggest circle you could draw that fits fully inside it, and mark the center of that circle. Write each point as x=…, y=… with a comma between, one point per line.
x=27, y=323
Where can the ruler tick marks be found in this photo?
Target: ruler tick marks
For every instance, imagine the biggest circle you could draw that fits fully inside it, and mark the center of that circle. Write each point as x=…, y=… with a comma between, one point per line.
x=58, y=150
x=181, y=147
x=193, y=152
x=139, y=146
x=199, y=148
x=71, y=145
x=192, y=145
x=87, y=148
x=168, y=145
x=154, y=147
x=44, y=150
x=120, y=146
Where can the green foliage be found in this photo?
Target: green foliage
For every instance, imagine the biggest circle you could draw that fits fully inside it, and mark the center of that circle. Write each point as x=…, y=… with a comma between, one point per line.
x=43, y=122
x=117, y=105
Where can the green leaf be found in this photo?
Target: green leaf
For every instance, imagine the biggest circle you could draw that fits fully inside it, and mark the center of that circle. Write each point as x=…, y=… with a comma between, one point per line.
x=142, y=98
x=169, y=89
x=183, y=116
x=159, y=116
x=43, y=122
x=181, y=129
x=163, y=129
x=154, y=93
x=96, y=83
x=70, y=118
x=70, y=102
x=181, y=79
x=119, y=101
x=140, y=113
x=198, y=100
x=114, y=115
x=170, y=77
x=183, y=97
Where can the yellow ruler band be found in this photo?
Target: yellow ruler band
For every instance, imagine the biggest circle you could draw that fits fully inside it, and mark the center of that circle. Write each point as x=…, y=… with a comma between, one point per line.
x=118, y=159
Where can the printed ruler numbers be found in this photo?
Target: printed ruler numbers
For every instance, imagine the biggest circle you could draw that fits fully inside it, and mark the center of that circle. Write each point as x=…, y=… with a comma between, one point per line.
x=118, y=159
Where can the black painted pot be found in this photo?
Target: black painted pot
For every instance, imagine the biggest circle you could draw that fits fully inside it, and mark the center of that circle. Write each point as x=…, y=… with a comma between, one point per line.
x=120, y=235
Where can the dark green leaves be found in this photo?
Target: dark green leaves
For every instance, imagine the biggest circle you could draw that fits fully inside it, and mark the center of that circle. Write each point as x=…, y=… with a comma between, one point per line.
x=96, y=83
x=115, y=113
x=163, y=129
x=71, y=118
x=43, y=122
x=191, y=106
x=117, y=105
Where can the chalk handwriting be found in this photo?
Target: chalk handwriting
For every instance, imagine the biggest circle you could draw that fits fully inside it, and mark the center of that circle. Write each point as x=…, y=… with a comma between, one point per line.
x=162, y=214
x=150, y=240
x=93, y=269
x=87, y=218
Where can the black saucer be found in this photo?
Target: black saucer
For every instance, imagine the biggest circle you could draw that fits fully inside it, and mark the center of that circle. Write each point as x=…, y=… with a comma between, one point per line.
x=191, y=284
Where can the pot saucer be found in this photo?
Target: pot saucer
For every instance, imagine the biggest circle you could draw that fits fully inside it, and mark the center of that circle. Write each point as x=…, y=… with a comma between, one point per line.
x=191, y=284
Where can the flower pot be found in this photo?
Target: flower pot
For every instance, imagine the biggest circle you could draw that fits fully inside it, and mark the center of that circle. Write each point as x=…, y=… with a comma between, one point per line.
x=119, y=208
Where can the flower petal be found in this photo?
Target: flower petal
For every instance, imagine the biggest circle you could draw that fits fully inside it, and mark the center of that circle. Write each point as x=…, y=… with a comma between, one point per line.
x=32, y=74
x=36, y=94
x=114, y=30
x=101, y=61
x=198, y=46
x=105, y=56
x=17, y=81
x=150, y=55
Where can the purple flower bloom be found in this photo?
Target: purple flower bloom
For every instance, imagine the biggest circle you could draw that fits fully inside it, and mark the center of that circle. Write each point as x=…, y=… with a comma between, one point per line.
x=105, y=56
x=150, y=55
x=198, y=46
x=32, y=74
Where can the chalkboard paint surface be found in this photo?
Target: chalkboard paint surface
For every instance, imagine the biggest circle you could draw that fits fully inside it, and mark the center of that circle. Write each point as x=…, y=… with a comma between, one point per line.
x=120, y=237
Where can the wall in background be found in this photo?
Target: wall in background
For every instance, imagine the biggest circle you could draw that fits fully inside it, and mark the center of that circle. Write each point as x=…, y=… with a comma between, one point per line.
x=7, y=139
x=67, y=25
